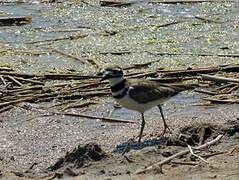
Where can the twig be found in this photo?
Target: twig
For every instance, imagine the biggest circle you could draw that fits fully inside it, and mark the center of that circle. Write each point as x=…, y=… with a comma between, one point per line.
x=110, y=3
x=3, y=81
x=206, y=19
x=194, y=54
x=226, y=86
x=218, y=79
x=185, y=163
x=29, y=80
x=144, y=74
x=181, y=153
x=67, y=55
x=5, y=68
x=205, y=91
x=20, y=74
x=191, y=151
x=16, y=101
x=191, y=72
x=231, y=89
x=186, y=1
x=105, y=119
x=6, y=108
x=70, y=37
x=14, y=80
x=16, y=20
x=222, y=100
x=212, y=154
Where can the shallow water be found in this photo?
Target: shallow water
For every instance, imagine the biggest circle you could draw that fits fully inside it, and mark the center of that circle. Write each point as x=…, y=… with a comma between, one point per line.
x=137, y=33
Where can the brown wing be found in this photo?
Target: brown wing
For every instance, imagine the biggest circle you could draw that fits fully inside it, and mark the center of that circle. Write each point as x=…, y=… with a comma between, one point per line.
x=144, y=92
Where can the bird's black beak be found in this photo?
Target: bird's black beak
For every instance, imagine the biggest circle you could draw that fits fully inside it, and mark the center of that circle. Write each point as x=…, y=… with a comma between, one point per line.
x=104, y=77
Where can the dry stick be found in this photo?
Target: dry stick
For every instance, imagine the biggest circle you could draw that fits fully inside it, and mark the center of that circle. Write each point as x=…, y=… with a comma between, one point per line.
x=90, y=61
x=3, y=81
x=70, y=37
x=232, y=89
x=14, y=80
x=222, y=100
x=139, y=66
x=226, y=86
x=21, y=74
x=106, y=119
x=191, y=151
x=19, y=20
x=6, y=108
x=150, y=73
x=213, y=154
x=67, y=55
x=205, y=91
x=193, y=54
x=218, y=79
x=181, y=153
x=5, y=68
x=186, y=72
x=95, y=89
x=186, y=1
x=29, y=80
x=15, y=101
x=69, y=76
x=37, y=87
x=63, y=29
x=206, y=19
x=185, y=163
x=109, y=3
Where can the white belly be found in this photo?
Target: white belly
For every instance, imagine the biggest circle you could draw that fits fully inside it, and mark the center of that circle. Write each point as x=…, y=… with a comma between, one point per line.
x=129, y=103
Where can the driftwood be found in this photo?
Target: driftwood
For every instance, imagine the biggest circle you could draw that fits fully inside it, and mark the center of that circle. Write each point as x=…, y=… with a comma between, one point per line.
x=105, y=119
x=215, y=100
x=193, y=54
x=187, y=1
x=109, y=3
x=218, y=79
x=18, y=87
x=112, y=3
x=5, y=68
x=198, y=71
x=181, y=153
x=16, y=20
x=208, y=20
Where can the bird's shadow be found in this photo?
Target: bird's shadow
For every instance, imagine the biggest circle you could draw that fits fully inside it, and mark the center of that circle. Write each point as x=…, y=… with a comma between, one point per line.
x=120, y=148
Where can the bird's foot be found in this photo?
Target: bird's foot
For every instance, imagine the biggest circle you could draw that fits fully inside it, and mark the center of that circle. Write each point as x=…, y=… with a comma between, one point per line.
x=165, y=129
x=128, y=143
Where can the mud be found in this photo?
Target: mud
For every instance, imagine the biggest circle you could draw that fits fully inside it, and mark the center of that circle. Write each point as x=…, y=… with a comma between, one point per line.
x=32, y=140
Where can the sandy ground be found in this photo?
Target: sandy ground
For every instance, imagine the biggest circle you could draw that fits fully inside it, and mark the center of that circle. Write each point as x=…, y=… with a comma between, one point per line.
x=32, y=141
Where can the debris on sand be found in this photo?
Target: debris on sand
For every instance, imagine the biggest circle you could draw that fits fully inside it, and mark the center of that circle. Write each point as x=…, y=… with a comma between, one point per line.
x=197, y=134
x=81, y=156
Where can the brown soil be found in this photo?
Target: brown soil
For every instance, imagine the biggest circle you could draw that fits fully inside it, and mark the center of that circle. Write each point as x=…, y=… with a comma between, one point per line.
x=94, y=160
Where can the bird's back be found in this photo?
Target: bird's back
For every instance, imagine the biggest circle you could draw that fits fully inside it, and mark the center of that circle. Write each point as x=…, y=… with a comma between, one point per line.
x=148, y=91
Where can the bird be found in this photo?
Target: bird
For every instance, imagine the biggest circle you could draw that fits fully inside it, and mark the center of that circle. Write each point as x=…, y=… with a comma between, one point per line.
x=140, y=95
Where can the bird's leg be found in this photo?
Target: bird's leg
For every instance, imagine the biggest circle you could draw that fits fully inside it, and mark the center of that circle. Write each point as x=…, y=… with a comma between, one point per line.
x=165, y=126
x=142, y=127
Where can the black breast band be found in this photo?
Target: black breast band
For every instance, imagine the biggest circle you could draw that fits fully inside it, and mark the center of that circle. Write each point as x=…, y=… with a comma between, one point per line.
x=118, y=86
x=121, y=95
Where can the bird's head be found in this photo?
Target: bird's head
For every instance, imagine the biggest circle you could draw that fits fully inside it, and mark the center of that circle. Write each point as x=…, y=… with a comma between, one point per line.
x=112, y=73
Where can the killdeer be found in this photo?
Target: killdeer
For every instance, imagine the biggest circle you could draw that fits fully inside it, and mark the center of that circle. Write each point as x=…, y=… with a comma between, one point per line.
x=140, y=95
